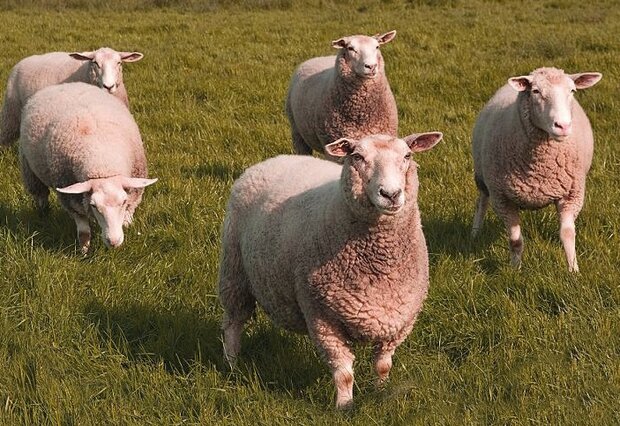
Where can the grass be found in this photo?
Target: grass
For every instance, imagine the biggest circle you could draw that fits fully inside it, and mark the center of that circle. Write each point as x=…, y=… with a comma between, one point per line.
x=132, y=336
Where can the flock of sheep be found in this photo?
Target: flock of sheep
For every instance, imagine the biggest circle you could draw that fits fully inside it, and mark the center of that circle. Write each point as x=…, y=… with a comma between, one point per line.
x=333, y=248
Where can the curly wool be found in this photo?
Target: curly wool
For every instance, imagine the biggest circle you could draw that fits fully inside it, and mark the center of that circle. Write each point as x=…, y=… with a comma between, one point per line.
x=327, y=101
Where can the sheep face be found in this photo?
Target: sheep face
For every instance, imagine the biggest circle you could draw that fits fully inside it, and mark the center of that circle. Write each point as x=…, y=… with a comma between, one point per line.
x=107, y=200
x=105, y=68
x=378, y=170
x=361, y=54
x=550, y=93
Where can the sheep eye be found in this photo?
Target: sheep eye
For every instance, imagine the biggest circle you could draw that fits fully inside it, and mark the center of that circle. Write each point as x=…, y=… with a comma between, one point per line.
x=573, y=90
x=535, y=91
x=351, y=49
x=408, y=156
x=356, y=156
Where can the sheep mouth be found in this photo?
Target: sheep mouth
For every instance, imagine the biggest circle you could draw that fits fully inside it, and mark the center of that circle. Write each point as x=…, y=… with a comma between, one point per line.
x=390, y=210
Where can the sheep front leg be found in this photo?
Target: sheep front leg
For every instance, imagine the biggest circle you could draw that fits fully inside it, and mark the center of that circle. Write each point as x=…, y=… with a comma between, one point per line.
x=510, y=215
x=567, y=233
x=333, y=344
x=83, y=230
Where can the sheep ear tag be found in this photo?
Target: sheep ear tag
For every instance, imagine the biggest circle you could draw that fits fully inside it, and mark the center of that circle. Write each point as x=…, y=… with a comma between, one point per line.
x=340, y=148
x=420, y=142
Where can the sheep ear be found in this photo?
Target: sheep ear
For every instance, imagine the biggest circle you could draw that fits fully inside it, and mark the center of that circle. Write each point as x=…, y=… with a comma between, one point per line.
x=129, y=182
x=340, y=148
x=386, y=38
x=131, y=56
x=521, y=83
x=586, y=79
x=419, y=142
x=76, y=188
x=341, y=43
x=83, y=56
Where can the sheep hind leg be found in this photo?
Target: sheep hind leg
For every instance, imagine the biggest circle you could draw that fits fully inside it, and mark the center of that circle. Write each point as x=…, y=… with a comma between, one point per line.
x=235, y=296
x=9, y=121
x=39, y=191
x=382, y=355
x=567, y=235
x=482, y=206
x=299, y=145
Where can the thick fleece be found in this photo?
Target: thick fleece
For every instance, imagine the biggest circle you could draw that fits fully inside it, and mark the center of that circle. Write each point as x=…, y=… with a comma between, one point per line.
x=334, y=251
x=347, y=95
x=38, y=71
x=76, y=132
x=532, y=146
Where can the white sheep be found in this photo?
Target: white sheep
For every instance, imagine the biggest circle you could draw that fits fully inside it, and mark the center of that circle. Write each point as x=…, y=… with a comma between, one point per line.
x=102, y=68
x=334, y=251
x=347, y=95
x=81, y=141
x=532, y=146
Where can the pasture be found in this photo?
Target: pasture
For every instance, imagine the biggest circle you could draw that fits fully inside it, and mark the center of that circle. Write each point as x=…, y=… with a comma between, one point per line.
x=132, y=336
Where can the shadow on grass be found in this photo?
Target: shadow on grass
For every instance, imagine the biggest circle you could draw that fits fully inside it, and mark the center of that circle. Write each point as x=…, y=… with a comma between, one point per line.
x=186, y=337
x=54, y=230
x=215, y=169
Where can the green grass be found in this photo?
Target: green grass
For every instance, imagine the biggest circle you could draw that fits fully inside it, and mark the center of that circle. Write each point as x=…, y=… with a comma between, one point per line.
x=132, y=336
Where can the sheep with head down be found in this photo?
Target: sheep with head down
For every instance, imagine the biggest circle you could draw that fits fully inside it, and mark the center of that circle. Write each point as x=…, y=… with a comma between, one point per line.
x=346, y=95
x=532, y=146
x=335, y=251
x=102, y=68
x=85, y=144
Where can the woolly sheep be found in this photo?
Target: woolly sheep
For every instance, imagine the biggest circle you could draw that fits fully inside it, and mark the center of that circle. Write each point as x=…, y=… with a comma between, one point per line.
x=347, y=95
x=81, y=141
x=102, y=68
x=334, y=251
x=532, y=146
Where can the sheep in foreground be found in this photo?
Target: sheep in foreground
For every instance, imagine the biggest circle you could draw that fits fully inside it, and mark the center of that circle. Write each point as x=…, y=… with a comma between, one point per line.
x=102, y=68
x=347, y=95
x=81, y=141
x=334, y=251
x=532, y=146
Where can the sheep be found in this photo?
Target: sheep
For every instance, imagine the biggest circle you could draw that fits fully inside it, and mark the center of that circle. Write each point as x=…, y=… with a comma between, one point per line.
x=82, y=142
x=347, y=95
x=335, y=251
x=532, y=146
x=101, y=68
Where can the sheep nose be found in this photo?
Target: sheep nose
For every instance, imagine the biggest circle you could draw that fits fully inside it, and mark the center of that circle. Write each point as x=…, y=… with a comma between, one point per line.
x=564, y=127
x=392, y=196
x=113, y=242
x=108, y=88
x=371, y=67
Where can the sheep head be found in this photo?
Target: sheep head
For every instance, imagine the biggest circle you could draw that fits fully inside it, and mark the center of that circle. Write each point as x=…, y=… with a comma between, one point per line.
x=378, y=175
x=549, y=93
x=107, y=199
x=106, y=69
x=360, y=55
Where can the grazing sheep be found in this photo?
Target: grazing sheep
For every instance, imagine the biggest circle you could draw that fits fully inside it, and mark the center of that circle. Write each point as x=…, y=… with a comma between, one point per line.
x=532, y=146
x=81, y=141
x=334, y=251
x=102, y=68
x=347, y=95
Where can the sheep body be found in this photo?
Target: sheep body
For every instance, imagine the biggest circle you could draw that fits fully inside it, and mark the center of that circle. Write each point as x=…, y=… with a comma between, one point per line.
x=36, y=72
x=337, y=96
x=534, y=149
x=75, y=133
x=302, y=238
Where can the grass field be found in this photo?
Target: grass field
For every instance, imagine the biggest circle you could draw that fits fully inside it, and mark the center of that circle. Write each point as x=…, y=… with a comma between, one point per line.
x=132, y=336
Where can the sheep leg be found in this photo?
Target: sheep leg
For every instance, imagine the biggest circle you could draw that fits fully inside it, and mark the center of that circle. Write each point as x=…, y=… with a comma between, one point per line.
x=299, y=146
x=567, y=234
x=333, y=344
x=382, y=354
x=11, y=117
x=482, y=206
x=235, y=296
x=39, y=191
x=510, y=215
x=83, y=230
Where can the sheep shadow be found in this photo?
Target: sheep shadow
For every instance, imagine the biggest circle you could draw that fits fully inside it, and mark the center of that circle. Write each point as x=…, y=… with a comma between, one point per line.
x=53, y=230
x=214, y=169
x=184, y=337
